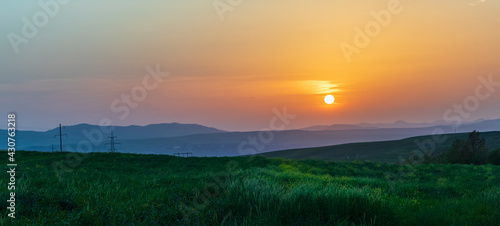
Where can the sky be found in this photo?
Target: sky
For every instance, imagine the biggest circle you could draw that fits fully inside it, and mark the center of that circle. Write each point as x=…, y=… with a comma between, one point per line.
x=228, y=64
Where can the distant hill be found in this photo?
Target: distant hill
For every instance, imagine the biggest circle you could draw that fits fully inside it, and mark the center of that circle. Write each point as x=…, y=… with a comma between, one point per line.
x=404, y=124
x=382, y=151
x=205, y=141
x=146, y=132
x=337, y=127
x=480, y=124
x=77, y=133
x=227, y=143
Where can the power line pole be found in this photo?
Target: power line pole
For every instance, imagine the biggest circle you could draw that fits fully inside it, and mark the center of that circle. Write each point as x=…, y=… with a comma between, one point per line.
x=112, y=143
x=60, y=136
x=53, y=148
x=187, y=154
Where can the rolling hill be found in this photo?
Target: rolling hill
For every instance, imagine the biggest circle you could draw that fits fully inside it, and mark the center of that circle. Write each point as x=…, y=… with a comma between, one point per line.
x=337, y=127
x=228, y=143
x=205, y=141
x=77, y=133
x=381, y=151
x=480, y=124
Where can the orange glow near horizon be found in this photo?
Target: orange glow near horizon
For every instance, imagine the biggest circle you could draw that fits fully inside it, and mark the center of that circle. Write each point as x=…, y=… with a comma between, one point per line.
x=230, y=74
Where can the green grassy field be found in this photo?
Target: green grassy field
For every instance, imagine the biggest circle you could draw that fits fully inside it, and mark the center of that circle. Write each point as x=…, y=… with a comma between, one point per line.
x=129, y=189
x=380, y=151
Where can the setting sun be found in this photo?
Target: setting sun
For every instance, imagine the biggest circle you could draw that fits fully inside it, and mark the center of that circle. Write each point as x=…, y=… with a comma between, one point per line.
x=329, y=99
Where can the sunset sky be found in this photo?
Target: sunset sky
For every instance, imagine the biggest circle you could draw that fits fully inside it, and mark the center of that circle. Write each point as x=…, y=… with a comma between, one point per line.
x=229, y=70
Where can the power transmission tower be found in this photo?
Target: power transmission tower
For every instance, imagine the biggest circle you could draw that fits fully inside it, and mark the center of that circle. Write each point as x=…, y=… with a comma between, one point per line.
x=60, y=136
x=53, y=148
x=112, y=143
x=187, y=154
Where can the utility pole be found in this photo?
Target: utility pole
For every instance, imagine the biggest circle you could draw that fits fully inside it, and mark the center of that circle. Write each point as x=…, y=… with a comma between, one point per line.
x=187, y=154
x=60, y=136
x=112, y=143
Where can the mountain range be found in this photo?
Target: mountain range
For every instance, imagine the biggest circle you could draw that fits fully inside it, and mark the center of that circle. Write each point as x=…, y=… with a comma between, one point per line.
x=170, y=138
x=397, y=124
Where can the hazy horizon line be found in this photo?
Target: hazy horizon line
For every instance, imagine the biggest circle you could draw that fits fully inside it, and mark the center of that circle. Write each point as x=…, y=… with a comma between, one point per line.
x=45, y=129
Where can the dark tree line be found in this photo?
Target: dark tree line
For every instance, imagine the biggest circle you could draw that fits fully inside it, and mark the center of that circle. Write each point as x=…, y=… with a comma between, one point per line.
x=472, y=150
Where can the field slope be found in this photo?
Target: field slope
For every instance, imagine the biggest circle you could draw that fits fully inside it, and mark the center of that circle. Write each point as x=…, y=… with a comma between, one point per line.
x=382, y=151
x=131, y=189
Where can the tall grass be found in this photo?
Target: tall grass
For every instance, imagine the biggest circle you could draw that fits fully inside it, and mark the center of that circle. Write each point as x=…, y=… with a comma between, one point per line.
x=128, y=189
